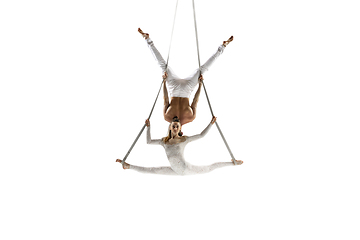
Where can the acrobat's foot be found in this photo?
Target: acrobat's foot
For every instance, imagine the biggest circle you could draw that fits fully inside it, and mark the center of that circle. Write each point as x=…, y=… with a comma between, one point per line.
x=237, y=162
x=145, y=35
x=124, y=164
x=225, y=43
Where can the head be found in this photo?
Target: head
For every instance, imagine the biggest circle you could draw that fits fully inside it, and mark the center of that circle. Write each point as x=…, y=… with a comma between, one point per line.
x=174, y=129
x=175, y=126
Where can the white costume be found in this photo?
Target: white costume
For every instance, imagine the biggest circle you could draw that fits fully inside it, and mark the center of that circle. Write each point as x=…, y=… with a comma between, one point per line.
x=175, y=154
x=182, y=87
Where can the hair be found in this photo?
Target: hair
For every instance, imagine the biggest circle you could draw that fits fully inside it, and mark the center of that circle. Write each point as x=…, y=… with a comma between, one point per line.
x=165, y=139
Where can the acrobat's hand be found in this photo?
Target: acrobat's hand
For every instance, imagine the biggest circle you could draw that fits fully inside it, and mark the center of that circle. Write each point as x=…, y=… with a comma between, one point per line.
x=213, y=120
x=225, y=43
x=147, y=122
x=165, y=76
x=201, y=78
x=145, y=35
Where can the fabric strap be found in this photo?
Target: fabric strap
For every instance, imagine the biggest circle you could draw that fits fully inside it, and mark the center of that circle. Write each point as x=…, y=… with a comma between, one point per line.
x=157, y=96
x=207, y=96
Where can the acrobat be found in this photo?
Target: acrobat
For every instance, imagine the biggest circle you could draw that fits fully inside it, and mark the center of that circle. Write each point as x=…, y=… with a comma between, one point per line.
x=174, y=145
x=180, y=89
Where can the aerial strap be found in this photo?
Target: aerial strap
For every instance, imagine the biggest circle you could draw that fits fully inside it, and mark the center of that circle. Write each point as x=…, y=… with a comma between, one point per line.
x=207, y=97
x=197, y=41
x=157, y=96
x=172, y=33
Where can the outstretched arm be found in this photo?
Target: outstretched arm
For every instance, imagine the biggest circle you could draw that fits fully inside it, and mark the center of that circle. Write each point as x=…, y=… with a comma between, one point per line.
x=154, y=51
x=166, y=96
x=196, y=96
x=148, y=135
x=203, y=133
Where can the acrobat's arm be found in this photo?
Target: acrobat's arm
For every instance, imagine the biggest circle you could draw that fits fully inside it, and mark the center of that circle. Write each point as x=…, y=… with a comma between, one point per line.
x=166, y=95
x=203, y=133
x=148, y=135
x=196, y=96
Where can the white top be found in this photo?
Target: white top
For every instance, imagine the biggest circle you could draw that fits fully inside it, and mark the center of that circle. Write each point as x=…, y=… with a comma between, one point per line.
x=175, y=152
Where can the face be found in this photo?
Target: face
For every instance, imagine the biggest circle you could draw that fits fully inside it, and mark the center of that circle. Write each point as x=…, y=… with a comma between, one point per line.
x=175, y=127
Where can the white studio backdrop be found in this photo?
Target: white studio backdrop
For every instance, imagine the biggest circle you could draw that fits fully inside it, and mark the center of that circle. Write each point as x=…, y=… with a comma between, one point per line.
x=78, y=82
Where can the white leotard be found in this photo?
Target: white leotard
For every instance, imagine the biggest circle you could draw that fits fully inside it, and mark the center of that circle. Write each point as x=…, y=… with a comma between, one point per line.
x=175, y=155
x=182, y=87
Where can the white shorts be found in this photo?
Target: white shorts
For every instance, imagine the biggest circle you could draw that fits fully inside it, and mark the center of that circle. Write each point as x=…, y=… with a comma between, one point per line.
x=176, y=86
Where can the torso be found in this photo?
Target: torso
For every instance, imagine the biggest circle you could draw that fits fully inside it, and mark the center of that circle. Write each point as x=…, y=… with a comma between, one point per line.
x=179, y=107
x=174, y=149
x=173, y=141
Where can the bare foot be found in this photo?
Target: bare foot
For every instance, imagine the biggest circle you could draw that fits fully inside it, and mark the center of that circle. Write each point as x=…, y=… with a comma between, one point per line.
x=225, y=43
x=124, y=164
x=237, y=162
x=145, y=35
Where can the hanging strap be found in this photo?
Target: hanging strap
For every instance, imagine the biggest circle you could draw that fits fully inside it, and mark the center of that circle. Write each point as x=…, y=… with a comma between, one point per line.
x=157, y=96
x=142, y=129
x=172, y=32
x=197, y=41
x=207, y=97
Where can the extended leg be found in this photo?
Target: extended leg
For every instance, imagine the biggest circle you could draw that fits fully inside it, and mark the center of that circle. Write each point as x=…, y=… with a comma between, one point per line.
x=211, y=60
x=154, y=170
x=154, y=51
x=205, y=169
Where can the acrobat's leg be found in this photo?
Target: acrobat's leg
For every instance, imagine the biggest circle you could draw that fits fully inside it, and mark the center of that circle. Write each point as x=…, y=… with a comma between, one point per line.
x=154, y=170
x=194, y=77
x=205, y=67
x=205, y=169
x=211, y=60
x=154, y=51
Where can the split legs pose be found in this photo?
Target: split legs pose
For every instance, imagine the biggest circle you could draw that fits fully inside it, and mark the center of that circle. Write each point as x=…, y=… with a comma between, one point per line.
x=180, y=89
x=174, y=145
x=169, y=171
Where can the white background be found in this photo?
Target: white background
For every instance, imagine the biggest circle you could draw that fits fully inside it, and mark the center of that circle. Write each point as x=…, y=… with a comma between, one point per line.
x=78, y=82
